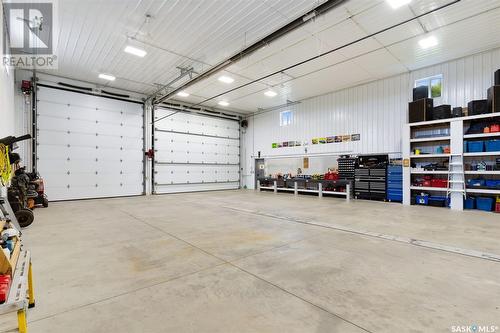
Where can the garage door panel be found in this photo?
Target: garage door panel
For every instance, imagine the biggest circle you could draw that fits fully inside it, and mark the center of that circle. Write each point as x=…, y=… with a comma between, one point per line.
x=182, y=156
x=183, y=122
x=184, y=148
x=181, y=174
x=53, y=110
x=89, y=146
x=195, y=153
x=182, y=188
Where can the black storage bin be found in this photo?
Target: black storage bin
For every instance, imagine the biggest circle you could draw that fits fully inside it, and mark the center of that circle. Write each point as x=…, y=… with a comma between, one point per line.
x=441, y=112
x=420, y=110
x=420, y=93
x=494, y=99
x=437, y=202
x=479, y=106
x=457, y=112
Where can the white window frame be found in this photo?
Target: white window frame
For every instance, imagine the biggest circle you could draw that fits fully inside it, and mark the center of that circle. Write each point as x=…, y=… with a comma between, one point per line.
x=286, y=118
x=426, y=81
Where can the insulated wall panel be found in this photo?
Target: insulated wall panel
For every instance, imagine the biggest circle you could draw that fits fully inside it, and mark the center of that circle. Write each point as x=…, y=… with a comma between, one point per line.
x=376, y=110
x=195, y=152
x=88, y=146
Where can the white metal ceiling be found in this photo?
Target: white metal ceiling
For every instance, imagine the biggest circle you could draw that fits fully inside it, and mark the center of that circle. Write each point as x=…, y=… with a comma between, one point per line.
x=202, y=33
x=196, y=33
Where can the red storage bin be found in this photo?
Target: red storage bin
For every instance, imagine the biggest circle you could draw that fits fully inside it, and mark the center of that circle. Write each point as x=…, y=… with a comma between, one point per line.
x=331, y=176
x=495, y=128
x=4, y=287
x=439, y=182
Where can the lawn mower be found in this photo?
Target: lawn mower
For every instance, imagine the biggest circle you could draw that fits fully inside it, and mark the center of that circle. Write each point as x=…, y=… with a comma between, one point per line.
x=26, y=190
x=37, y=185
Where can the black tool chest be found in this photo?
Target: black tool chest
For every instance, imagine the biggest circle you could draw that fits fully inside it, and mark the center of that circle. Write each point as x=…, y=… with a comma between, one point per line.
x=371, y=177
x=346, y=167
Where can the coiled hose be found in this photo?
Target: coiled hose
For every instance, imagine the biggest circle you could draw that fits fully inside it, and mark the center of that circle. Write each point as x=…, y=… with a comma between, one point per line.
x=5, y=168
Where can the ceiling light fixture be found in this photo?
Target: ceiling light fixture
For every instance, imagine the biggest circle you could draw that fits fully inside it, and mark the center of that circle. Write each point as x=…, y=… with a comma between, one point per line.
x=108, y=77
x=226, y=79
x=270, y=93
x=182, y=94
x=135, y=51
x=428, y=42
x=395, y=4
x=223, y=103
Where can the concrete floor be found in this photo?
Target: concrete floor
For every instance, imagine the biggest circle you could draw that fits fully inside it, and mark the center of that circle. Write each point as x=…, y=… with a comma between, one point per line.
x=242, y=261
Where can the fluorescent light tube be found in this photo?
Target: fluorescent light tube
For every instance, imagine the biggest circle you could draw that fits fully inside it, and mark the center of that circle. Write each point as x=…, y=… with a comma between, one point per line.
x=182, y=94
x=107, y=77
x=395, y=4
x=428, y=42
x=223, y=103
x=135, y=51
x=270, y=93
x=226, y=79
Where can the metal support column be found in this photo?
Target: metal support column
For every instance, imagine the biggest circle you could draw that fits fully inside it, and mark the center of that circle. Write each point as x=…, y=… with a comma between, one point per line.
x=148, y=144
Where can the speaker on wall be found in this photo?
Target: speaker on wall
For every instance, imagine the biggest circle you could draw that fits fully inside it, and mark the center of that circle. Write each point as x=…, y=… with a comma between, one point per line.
x=497, y=77
x=494, y=99
x=420, y=110
x=420, y=93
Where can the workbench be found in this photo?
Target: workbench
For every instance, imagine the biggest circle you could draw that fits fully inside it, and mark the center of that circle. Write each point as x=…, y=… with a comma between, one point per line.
x=301, y=185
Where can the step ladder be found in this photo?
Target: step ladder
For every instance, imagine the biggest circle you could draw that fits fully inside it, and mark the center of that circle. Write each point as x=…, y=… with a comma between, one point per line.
x=456, y=175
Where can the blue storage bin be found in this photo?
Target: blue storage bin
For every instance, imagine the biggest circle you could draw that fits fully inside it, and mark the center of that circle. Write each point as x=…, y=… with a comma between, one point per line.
x=492, y=145
x=422, y=199
x=483, y=203
x=475, y=182
x=470, y=203
x=492, y=183
x=475, y=146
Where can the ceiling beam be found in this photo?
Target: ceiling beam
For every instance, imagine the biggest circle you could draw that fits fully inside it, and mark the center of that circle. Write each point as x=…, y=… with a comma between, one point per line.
x=319, y=10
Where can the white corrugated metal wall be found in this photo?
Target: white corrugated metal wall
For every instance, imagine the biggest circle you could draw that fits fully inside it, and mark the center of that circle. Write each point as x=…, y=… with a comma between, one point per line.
x=375, y=110
x=464, y=79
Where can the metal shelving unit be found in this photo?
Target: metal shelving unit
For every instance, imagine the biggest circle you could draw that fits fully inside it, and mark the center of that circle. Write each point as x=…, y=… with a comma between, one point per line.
x=456, y=142
x=483, y=191
x=431, y=139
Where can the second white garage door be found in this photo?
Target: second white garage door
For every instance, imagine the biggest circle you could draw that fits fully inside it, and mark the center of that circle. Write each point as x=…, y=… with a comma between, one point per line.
x=195, y=152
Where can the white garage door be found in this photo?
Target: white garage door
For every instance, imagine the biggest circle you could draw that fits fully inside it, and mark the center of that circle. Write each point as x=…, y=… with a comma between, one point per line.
x=88, y=146
x=195, y=152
